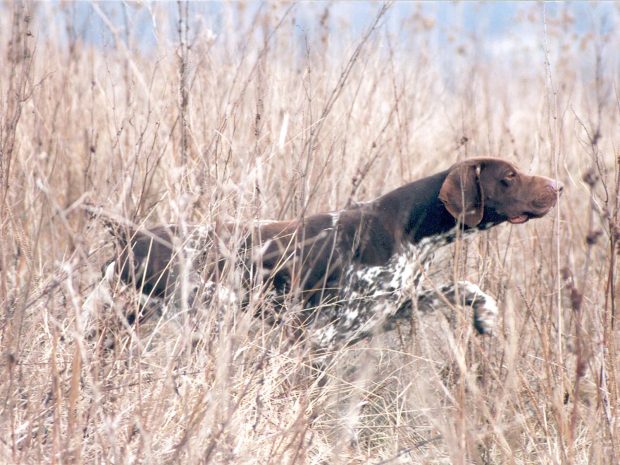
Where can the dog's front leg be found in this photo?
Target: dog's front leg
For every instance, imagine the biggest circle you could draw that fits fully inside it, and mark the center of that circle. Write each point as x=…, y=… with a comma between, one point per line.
x=447, y=296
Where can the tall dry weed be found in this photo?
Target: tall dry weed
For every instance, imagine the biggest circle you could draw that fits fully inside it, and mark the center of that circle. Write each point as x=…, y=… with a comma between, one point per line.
x=278, y=111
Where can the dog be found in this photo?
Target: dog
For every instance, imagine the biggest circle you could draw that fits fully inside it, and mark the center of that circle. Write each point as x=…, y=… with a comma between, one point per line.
x=353, y=272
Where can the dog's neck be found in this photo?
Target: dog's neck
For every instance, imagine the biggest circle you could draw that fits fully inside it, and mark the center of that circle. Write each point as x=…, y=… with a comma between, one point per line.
x=416, y=212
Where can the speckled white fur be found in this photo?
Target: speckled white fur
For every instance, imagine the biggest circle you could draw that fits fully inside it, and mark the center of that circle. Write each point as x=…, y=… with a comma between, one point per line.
x=371, y=294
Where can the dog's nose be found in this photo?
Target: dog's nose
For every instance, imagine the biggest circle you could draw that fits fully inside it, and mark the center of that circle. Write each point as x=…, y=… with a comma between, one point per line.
x=557, y=186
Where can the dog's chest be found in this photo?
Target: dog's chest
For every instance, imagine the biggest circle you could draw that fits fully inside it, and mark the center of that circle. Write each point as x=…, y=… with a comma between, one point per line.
x=385, y=283
x=370, y=294
x=395, y=280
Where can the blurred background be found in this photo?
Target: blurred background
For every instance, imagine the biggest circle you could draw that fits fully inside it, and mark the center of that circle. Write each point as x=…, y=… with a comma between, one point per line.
x=205, y=112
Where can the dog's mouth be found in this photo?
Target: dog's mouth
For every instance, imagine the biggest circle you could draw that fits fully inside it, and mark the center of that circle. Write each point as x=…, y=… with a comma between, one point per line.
x=520, y=219
x=528, y=215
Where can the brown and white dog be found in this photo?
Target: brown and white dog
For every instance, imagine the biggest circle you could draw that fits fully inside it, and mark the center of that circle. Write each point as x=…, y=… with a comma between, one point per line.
x=356, y=271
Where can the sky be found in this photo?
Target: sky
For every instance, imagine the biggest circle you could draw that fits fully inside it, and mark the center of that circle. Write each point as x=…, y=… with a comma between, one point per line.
x=500, y=30
x=490, y=19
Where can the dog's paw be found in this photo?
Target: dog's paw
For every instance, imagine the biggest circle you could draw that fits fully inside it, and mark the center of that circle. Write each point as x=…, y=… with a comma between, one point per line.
x=485, y=312
x=484, y=306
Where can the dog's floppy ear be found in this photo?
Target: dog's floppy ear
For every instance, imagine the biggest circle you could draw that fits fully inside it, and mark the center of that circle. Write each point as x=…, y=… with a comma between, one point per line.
x=462, y=195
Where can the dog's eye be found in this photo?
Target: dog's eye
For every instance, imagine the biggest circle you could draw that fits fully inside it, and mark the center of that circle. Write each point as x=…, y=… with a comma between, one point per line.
x=508, y=178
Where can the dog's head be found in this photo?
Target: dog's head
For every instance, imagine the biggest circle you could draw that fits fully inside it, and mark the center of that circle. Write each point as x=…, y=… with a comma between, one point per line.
x=497, y=190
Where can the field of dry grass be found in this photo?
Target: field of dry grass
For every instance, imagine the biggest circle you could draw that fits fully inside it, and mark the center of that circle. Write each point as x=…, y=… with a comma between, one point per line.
x=275, y=115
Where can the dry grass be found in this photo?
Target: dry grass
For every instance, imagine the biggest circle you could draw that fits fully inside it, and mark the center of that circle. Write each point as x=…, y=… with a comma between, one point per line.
x=273, y=120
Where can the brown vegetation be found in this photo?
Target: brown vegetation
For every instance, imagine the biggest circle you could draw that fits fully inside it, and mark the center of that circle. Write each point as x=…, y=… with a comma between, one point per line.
x=267, y=120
